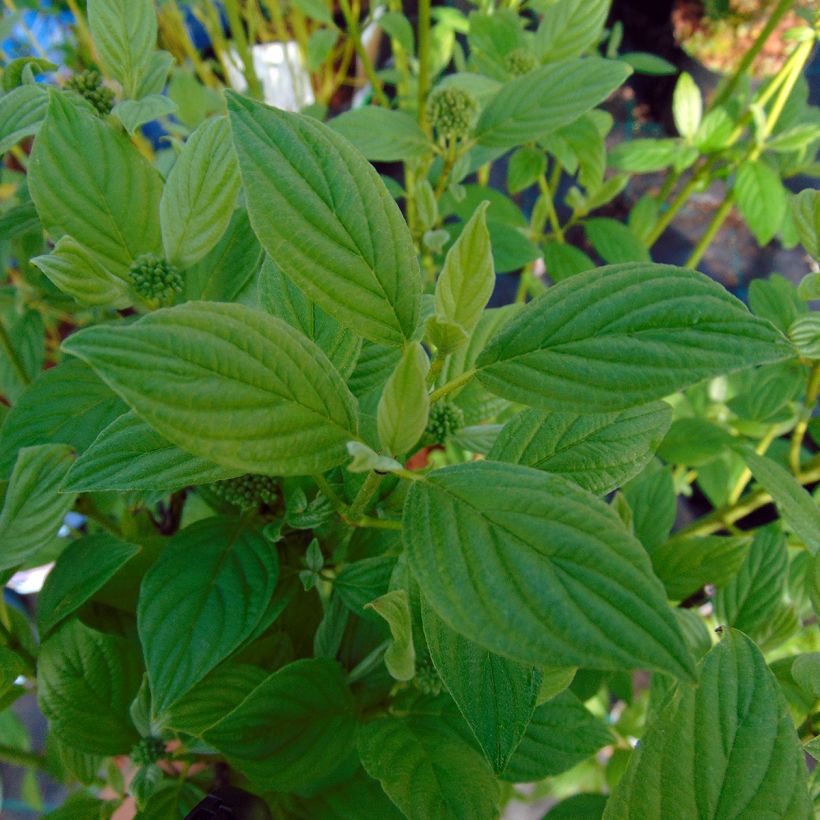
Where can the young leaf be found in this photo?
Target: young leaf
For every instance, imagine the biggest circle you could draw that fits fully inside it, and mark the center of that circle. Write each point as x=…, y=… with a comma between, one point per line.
x=322, y=212
x=115, y=215
x=82, y=569
x=200, y=194
x=761, y=199
x=570, y=28
x=267, y=399
x=642, y=156
x=713, y=738
x=310, y=706
x=427, y=770
x=687, y=106
x=615, y=242
x=133, y=114
x=33, y=510
x=86, y=681
x=497, y=696
x=535, y=105
x=125, y=35
x=748, y=600
x=598, y=452
x=805, y=208
x=130, y=455
x=621, y=336
x=400, y=657
x=67, y=404
x=362, y=581
x=383, y=135
x=561, y=734
x=494, y=544
x=21, y=113
x=465, y=284
x=193, y=614
x=796, y=506
x=403, y=407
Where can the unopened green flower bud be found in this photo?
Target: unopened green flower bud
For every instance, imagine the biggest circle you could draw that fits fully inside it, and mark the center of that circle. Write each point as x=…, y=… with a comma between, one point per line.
x=88, y=84
x=149, y=750
x=520, y=62
x=155, y=278
x=452, y=111
x=427, y=679
x=249, y=492
x=444, y=420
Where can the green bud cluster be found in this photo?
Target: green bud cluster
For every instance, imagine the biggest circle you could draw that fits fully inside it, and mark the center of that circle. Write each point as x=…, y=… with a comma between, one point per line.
x=149, y=750
x=452, y=111
x=249, y=492
x=445, y=418
x=520, y=62
x=427, y=679
x=154, y=278
x=88, y=84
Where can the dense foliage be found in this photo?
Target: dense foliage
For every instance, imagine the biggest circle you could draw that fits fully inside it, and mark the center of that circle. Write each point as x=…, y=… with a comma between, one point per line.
x=347, y=537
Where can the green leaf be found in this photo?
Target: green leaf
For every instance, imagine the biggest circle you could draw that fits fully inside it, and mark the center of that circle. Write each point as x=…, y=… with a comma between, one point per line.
x=267, y=399
x=21, y=113
x=15, y=72
x=535, y=105
x=82, y=569
x=383, y=135
x=563, y=261
x=685, y=565
x=761, y=199
x=749, y=599
x=777, y=300
x=805, y=336
x=200, y=194
x=653, y=504
x=125, y=35
x=173, y=800
x=27, y=335
x=316, y=9
x=465, y=284
x=620, y=336
x=646, y=63
x=561, y=734
x=730, y=743
x=398, y=28
x=311, y=708
x=805, y=208
x=322, y=212
x=693, y=441
x=193, y=614
x=362, y=581
x=598, y=452
x=155, y=74
x=497, y=696
x=403, y=407
x=525, y=166
x=400, y=657
x=75, y=270
x=360, y=797
x=642, y=156
x=320, y=46
x=115, y=215
x=129, y=455
x=798, y=508
x=86, y=681
x=570, y=28
x=493, y=544
x=33, y=511
x=687, y=106
x=67, y=404
x=427, y=770
x=133, y=114
x=615, y=242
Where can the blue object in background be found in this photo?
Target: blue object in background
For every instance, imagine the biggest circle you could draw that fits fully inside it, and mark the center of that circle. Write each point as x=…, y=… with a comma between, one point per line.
x=49, y=27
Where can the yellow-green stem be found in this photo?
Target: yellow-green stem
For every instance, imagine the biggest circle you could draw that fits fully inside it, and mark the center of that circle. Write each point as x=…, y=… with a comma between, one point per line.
x=364, y=497
x=354, y=32
x=423, y=41
x=714, y=226
x=452, y=385
x=802, y=425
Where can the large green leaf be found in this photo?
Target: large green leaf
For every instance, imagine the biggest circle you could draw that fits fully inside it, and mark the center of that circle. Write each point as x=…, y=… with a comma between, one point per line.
x=497, y=696
x=193, y=613
x=33, y=510
x=599, y=452
x=748, y=600
x=131, y=455
x=293, y=729
x=623, y=335
x=228, y=383
x=21, y=113
x=535, y=105
x=88, y=181
x=383, y=135
x=429, y=772
x=724, y=749
x=324, y=216
x=569, y=28
x=125, y=35
x=561, y=734
x=86, y=681
x=200, y=194
x=82, y=569
x=357, y=798
x=67, y=404
x=798, y=508
x=530, y=566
